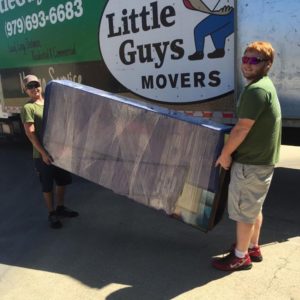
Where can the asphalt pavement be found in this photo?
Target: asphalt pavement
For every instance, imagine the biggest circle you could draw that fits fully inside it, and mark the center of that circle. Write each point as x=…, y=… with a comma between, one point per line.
x=120, y=250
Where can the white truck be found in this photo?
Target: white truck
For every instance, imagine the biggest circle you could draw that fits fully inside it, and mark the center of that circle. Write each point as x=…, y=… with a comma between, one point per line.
x=184, y=55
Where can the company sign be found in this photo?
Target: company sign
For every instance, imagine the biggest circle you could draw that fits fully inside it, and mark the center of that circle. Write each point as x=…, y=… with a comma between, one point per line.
x=171, y=51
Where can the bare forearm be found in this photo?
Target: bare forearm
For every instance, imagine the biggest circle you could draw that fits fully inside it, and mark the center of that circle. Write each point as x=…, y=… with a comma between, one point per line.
x=30, y=132
x=236, y=137
x=36, y=143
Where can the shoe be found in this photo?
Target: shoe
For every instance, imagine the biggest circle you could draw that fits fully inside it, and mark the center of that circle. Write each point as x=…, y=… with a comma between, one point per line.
x=218, y=53
x=196, y=56
x=255, y=254
x=232, y=263
x=54, y=222
x=62, y=211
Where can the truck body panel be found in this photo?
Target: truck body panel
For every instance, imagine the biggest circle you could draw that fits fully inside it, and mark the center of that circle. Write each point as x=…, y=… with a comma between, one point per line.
x=142, y=49
x=277, y=22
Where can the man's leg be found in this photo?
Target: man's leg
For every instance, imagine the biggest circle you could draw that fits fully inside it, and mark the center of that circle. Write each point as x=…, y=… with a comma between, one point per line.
x=248, y=234
x=45, y=175
x=60, y=195
x=203, y=29
x=226, y=28
x=254, y=249
x=52, y=217
x=44, y=172
x=62, y=179
x=238, y=258
x=49, y=201
x=256, y=232
x=248, y=239
x=244, y=232
x=61, y=210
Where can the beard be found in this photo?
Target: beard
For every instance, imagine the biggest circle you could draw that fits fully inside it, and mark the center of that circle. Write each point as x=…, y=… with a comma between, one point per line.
x=254, y=76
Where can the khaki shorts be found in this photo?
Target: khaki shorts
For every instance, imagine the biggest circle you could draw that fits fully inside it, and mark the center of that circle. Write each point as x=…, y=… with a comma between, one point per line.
x=248, y=188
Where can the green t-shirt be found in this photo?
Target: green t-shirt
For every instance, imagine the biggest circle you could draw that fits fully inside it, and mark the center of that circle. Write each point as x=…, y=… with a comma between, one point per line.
x=33, y=113
x=259, y=102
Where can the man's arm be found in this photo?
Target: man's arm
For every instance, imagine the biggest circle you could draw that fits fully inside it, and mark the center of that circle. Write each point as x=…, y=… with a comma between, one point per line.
x=30, y=132
x=236, y=137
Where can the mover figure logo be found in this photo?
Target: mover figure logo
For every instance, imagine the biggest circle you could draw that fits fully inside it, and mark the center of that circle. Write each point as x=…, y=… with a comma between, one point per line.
x=148, y=46
x=219, y=25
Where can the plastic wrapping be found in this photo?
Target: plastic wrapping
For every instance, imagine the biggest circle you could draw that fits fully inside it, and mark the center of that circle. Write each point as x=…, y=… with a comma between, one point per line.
x=157, y=157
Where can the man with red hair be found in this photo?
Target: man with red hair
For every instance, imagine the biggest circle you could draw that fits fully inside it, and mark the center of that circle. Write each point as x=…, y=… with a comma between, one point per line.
x=251, y=150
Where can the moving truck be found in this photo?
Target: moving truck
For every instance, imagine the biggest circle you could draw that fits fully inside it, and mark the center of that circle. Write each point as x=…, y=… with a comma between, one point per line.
x=183, y=55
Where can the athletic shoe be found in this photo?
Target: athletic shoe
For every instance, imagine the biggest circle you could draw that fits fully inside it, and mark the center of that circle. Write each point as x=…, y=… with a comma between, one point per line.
x=54, y=222
x=232, y=263
x=63, y=211
x=255, y=254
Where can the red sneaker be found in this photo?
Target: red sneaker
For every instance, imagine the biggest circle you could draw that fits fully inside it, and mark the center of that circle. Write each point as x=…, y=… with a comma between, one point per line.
x=255, y=254
x=232, y=263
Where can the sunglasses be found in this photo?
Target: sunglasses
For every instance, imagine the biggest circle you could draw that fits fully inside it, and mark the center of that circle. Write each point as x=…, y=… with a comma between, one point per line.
x=32, y=85
x=252, y=60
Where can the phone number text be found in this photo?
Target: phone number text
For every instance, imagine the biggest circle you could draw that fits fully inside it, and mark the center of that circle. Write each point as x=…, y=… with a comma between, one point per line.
x=58, y=14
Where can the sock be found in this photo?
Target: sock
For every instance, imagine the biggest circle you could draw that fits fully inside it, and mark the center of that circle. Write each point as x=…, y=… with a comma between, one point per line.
x=239, y=254
x=251, y=246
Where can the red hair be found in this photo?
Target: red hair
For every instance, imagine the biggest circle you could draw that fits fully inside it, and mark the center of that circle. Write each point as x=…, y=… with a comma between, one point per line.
x=262, y=47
